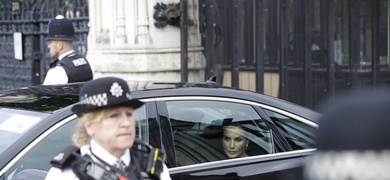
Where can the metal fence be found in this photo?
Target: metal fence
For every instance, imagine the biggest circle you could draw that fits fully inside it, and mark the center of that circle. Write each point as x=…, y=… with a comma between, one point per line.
x=318, y=48
x=30, y=18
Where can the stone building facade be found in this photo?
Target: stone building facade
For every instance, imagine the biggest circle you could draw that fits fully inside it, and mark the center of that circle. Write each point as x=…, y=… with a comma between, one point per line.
x=123, y=41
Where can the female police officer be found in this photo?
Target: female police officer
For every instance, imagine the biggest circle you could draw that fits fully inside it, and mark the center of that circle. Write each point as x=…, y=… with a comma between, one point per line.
x=107, y=130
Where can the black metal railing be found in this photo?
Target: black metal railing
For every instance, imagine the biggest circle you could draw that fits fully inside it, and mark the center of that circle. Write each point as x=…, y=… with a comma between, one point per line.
x=318, y=47
x=31, y=17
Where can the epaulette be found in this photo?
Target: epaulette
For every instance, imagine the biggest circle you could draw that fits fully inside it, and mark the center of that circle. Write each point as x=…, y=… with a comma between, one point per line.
x=64, y=158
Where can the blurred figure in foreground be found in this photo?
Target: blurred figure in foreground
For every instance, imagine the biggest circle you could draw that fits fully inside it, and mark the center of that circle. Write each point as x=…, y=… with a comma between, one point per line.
x=107, y=139
x=352, y=138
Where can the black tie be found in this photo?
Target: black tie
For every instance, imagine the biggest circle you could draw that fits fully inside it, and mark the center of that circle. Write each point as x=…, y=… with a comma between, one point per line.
x=54, y=63
x=120, y=165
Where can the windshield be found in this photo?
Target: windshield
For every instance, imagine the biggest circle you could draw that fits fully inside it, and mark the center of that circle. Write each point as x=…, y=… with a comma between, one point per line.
x=14, y=123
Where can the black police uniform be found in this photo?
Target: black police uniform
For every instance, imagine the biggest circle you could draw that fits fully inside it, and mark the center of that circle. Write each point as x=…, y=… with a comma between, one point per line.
x=76, y=66
x=141, y=164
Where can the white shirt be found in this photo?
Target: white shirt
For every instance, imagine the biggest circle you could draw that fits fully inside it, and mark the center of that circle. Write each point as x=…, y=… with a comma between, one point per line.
x=67, y=174
x=57, y=75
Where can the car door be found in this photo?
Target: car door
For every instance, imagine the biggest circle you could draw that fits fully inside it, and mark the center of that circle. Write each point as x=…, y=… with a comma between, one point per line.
x=278, y=166
x=38, y=153
x=194, y=126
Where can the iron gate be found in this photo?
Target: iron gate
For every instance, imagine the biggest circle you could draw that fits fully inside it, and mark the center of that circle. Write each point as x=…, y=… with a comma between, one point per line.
x=318, y=48
x=30, y=18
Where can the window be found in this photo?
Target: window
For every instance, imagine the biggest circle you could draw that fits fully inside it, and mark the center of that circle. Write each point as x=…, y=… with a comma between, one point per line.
x=200, y=127
x=39, y=156
x=298, y=134
x=13, y=125
x=142, y=124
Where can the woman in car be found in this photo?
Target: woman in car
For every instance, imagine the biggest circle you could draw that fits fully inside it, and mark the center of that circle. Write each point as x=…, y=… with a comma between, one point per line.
x=106, y=134
x=234, y=140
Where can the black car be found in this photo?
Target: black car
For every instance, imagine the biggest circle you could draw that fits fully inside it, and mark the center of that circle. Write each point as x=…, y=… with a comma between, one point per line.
x=183, y=119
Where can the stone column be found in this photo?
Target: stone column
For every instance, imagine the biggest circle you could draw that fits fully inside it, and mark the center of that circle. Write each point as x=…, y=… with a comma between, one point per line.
x=131, y=46
x=98, y=34
x=120, y=36
x=143, y=36
x=94, y=7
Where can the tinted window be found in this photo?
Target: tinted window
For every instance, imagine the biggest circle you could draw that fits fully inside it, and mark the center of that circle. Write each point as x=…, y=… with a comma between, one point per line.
x=199, y=129
x=298, y=134
x=142, y=124
x=13, y=126
x=40, y=155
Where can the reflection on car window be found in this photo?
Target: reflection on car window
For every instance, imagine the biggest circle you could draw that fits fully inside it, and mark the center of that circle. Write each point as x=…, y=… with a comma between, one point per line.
x=12, y=126
x=198, y=130
x=298, y=134
x=142, y=124
x=40, y=155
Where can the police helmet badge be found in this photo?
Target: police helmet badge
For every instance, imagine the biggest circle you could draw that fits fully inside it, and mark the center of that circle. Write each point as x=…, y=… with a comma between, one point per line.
x=105, y=92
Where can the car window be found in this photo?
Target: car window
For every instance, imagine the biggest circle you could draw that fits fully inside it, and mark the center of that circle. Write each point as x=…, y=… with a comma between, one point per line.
x=13, y=126
x=142, y=127
x=298, y=134
x=199, y=130
x=39, y=156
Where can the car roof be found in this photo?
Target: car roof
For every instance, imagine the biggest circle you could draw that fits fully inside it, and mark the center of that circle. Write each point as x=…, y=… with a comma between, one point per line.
x=40, y=98
x=49, y=98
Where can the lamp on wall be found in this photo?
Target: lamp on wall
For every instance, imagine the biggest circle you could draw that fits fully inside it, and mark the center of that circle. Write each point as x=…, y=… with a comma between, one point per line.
x=166, y=14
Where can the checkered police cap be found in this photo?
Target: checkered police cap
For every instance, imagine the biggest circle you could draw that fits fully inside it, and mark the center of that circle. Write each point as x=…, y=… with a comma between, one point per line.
x=104, y=92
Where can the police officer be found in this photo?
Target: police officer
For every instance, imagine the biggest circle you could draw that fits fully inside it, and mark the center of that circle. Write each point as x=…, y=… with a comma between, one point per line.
x=68, y=66
x=107, y=132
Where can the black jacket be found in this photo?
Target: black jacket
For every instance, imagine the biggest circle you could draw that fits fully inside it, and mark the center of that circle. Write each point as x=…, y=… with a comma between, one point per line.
x=77, y=68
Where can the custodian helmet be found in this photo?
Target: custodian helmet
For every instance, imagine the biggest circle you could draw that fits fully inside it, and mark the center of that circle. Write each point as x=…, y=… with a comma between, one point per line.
x=61, y=28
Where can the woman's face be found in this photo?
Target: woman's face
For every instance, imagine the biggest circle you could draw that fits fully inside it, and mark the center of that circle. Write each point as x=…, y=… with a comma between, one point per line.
x=234, y=142
x=116, y=131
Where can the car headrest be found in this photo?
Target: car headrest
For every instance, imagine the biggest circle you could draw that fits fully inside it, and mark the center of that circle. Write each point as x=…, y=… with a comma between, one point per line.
x=188, y=115
x=235, y=118
x=212, y=131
